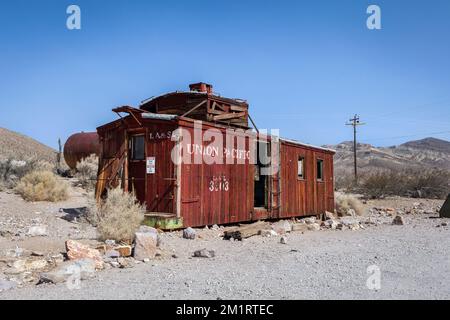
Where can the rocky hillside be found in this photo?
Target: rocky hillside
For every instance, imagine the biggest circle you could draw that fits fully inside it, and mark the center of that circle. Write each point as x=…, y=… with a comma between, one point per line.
x=17, y=146
x=425, y=153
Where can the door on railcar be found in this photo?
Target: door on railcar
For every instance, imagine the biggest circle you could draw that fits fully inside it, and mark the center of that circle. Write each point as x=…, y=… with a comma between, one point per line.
x=320, y=196
x=136, y=165
x=160, y=170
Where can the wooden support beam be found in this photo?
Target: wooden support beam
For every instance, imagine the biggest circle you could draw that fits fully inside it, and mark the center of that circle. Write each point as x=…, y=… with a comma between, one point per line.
x=227, y=116
x=238, y=108
x=194, y=108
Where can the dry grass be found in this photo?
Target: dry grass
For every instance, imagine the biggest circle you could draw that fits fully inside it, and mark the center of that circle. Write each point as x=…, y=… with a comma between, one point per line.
x=345, y=202
x=118, y=216
x=42, y=186
x=87, y=172
x=12, y=170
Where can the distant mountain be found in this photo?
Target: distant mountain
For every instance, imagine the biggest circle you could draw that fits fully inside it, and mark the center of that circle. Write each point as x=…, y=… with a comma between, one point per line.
x=18, y=146
x=425, y=153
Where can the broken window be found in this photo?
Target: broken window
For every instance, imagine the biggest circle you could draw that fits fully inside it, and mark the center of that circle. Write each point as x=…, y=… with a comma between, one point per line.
x=138, y=148
x=320, y=170
x=301, y=167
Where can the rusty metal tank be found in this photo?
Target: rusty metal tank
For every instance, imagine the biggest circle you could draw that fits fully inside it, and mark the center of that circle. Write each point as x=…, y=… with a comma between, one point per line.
x=79, y=146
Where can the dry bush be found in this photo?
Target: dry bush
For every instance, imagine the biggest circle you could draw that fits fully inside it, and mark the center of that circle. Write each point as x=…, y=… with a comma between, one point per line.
x=118, y=216
x=345, y=202
x=344, y=181
x=12, y=170
x=432, y=183
x=42, y=186
x=87, y=170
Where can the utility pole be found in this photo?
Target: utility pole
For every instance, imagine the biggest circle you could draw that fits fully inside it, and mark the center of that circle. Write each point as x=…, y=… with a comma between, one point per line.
x=354, y=122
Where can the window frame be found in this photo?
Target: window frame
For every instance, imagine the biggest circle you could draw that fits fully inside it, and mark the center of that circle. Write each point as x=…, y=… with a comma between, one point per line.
x=303, y=159
x=132, y=149
x=321, y=179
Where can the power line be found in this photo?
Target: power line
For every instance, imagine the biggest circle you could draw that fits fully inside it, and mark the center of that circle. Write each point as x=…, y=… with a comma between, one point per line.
x=354, y=122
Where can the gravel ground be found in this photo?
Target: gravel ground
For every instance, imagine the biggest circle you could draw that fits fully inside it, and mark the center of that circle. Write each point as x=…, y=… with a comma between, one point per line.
x=414, y=261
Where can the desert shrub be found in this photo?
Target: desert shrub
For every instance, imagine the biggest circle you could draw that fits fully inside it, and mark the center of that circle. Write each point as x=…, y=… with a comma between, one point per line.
x=118, y=216
x=42, y=186
x=432, y=183
x=87, y=170
x=344, y=181
x=12, y=170
x=345, y=202
x=379, y=184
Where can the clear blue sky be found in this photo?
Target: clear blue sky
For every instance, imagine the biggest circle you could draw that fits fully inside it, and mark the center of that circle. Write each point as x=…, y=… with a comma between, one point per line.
x=304, y=66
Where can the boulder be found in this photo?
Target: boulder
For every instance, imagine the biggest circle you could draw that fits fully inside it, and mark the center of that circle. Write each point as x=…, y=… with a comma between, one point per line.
x=398, y=221
x=189, y=233
x=37, y=231
x=145, y=245
x=282, y=227
x=77, y=251
x=84, y=267
x=203, y=253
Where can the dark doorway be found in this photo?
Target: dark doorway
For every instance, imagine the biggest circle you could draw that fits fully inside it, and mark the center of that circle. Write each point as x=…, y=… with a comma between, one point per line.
x=261, y=198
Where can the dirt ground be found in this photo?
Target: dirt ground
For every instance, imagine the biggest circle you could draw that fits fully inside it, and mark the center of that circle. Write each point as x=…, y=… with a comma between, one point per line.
x=413, y=259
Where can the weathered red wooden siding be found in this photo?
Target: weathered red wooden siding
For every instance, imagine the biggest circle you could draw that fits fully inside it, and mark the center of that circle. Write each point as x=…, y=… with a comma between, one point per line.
x=199, y=205
x=305, y=196
x=160, y=191
x=215, y=193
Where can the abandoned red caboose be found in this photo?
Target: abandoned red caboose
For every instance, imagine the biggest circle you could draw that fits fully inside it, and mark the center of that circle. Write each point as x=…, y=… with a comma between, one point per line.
x=192, y=160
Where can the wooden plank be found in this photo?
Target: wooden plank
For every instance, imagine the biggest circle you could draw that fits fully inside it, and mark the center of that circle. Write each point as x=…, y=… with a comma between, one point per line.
x=229, y=116
x=238, y=108
x=194, y=108
x=246, y=230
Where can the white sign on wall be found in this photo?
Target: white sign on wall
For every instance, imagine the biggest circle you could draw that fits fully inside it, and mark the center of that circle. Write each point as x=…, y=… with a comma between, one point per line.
x=151, y=162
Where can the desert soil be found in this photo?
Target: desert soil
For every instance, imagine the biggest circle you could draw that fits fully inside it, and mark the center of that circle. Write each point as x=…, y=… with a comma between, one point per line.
x=413, y=259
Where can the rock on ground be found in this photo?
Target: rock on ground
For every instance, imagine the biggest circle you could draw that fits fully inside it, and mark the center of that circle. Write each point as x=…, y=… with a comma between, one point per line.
x=203, y=253
x=145, y=244
x=84, y=268
x=282, y=227
x=189, y=233
x=398, y=220
x=77, y=250
x=37, y=231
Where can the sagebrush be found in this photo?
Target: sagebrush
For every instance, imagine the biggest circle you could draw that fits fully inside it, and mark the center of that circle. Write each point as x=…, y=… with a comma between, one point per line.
x=86, y=172
x=118, y=216
x=12, y=170
x=346, y=202
x=432, y=183
x=42, y=185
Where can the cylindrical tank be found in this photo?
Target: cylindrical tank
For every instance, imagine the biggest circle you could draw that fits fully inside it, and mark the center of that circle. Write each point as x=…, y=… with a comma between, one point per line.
x=79, y=146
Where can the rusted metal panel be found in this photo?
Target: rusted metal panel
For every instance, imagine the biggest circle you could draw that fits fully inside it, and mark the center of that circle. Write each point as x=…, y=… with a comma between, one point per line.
x=79, y=146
